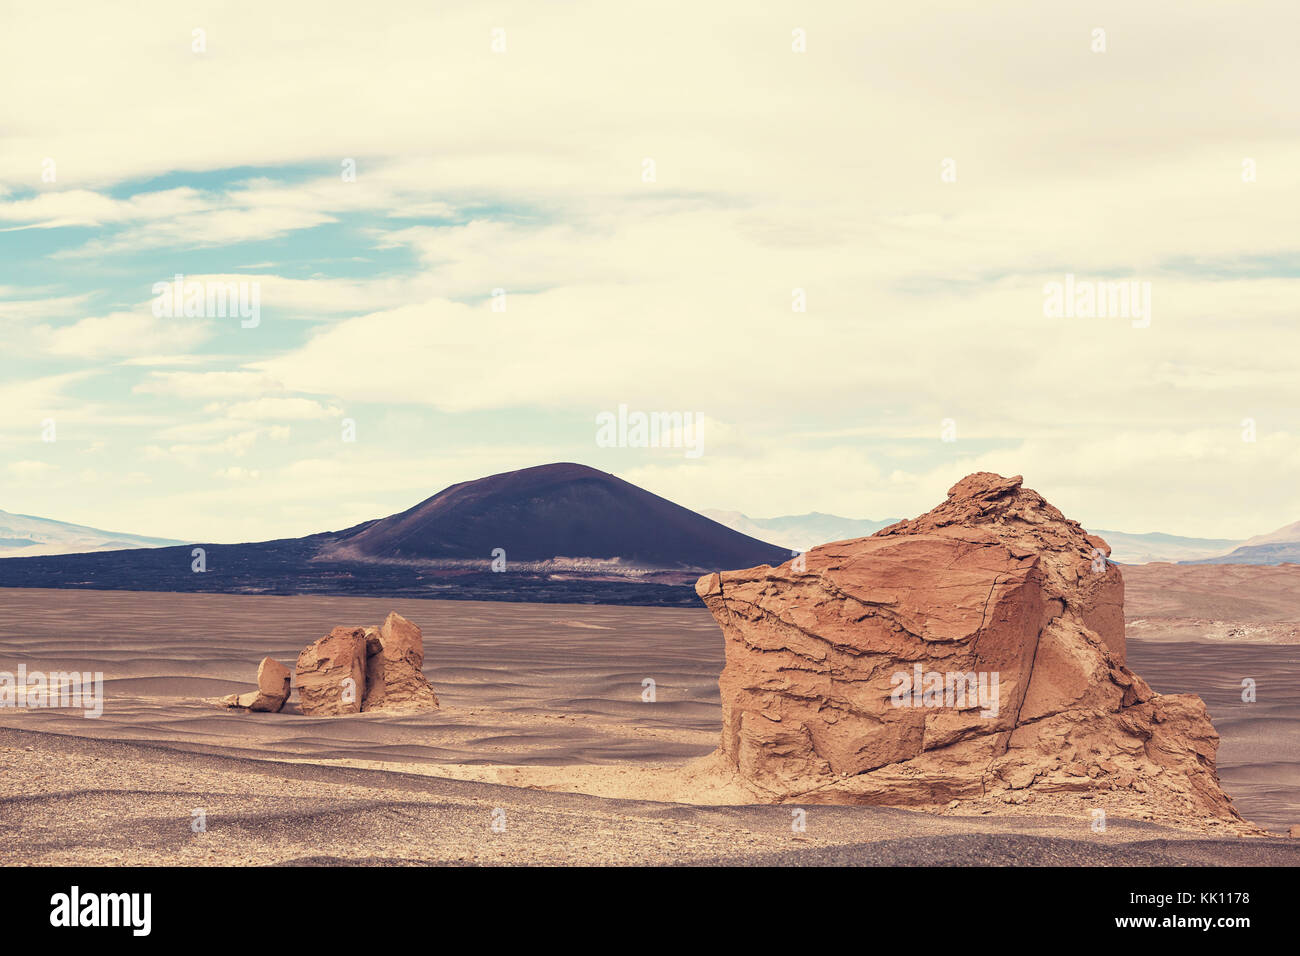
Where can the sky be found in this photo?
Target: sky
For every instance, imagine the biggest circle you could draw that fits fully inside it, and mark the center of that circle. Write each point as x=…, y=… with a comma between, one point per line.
x=825, y=231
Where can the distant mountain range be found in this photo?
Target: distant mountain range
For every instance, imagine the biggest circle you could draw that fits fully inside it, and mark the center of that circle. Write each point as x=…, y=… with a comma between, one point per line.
x=1156, y=546
x=28, y=536
x=799, y=532
x=564, y=533
x=1277, y=547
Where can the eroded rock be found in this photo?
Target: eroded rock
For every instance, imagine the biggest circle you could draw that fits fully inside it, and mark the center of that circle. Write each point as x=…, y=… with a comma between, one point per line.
x=395, y=678
x=273, y=680
x=973, y=654
x=332, y=673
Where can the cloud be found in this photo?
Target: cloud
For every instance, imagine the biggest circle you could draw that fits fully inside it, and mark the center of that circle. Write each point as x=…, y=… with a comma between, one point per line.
x=203, y=385
x=255, y=210
x=25, y=310
x=235, y=445
x=26, y=403
x=276, y=408
x=30, y=470
x=83, y=207
x=324, y=297
x=124, y=333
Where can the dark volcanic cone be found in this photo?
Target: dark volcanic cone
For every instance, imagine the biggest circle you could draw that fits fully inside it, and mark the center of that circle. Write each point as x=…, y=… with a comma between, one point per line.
x=560, y=510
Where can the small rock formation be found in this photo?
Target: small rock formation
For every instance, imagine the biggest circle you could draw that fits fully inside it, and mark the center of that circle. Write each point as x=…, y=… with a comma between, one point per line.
x=272, y=689
x=395, y=678
x=332, y=673
x=968, y=658
x=356, y=668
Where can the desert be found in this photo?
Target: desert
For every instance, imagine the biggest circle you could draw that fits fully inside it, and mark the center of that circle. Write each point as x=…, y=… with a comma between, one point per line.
x=964, y=686
x=574, y=440
x=545, y=748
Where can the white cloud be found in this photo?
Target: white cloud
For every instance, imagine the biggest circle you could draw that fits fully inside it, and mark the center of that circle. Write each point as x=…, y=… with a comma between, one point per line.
x=26, y=403
x=84, y=207
x=276, y=408
x=319, y=298
x=28, y=470
x=214, y=384
x=235, y=445
x=120, y=334
x=24, y=310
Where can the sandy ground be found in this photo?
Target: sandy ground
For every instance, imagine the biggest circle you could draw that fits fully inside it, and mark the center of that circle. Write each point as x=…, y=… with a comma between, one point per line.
x=83, y=801
x=541, y=696
x=1241, y=603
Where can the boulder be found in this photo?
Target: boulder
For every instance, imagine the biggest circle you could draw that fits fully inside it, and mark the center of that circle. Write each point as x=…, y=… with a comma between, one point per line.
x=273, y=680
x=332, y=673
x=973, y=654
x=395, y=680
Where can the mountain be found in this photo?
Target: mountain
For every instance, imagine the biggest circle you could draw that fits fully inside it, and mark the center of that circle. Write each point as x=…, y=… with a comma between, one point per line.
x=1129, y=548
x=28, y=536
x=1287, y=534
x=799, y=532
x=1277, y=547
x=570, y=534
x=556, y=512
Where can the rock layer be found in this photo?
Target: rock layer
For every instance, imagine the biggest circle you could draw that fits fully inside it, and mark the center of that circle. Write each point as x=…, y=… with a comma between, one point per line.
x=974, y=654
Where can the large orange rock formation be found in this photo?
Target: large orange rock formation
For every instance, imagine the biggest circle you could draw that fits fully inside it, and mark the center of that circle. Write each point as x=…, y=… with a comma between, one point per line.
x=974, y=654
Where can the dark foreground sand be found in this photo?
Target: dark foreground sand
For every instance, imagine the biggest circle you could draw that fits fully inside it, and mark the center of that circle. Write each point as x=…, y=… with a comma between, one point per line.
x=83, y=801
x=543, y=695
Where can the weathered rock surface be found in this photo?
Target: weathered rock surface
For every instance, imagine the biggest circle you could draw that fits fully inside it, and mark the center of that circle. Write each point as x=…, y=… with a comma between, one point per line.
x=273, y=680
x=972, y=656
x=332, y=673
x=351, y=669
x=395, y=678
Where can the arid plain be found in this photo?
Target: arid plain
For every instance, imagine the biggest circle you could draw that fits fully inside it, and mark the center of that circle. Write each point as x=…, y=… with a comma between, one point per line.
x=544, y=749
